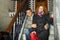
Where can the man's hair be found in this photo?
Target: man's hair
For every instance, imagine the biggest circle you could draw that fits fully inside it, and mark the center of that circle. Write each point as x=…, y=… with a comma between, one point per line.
x=29, y=9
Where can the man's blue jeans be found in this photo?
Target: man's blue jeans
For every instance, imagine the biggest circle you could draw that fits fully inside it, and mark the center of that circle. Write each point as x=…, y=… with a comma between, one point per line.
x=27, y=32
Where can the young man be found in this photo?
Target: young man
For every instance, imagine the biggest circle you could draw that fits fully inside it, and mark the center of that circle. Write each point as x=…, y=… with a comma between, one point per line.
x=28, y=23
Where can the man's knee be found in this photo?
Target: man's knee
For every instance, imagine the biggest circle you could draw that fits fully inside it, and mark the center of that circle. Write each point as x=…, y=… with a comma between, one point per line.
x=27, y=32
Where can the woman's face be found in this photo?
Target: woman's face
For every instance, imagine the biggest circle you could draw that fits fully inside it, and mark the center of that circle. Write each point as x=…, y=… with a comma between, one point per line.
x=40, y=9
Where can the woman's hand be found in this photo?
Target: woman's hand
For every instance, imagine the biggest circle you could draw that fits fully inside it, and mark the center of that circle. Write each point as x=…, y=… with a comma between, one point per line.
x=33, y=25
x=46, y=26
x=52, y=16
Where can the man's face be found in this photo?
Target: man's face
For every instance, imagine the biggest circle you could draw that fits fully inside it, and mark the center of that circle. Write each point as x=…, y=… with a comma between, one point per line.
x=40, y=8
x=28, y=12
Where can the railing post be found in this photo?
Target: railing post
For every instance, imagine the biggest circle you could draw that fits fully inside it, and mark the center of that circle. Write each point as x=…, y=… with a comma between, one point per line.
x=32, y=5
x=17, y=20
x=14, y=31
x=15, y=6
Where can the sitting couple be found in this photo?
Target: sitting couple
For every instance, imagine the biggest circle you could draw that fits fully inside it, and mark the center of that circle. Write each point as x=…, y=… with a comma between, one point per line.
x=36, y=24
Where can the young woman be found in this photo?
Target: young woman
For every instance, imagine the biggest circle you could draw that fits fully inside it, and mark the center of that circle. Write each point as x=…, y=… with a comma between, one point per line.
x=41, y=25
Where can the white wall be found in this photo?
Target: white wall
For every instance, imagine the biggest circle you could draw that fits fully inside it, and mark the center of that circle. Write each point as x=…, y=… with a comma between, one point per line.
x=57, y=16
x=4, y=14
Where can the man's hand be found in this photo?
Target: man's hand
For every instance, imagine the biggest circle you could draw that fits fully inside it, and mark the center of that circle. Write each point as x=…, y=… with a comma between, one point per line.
x=33, y=32
x=46, y=26
x=33, y=25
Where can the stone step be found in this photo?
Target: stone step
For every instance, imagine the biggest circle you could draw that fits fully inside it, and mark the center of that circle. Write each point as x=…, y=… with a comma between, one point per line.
x=51, y=37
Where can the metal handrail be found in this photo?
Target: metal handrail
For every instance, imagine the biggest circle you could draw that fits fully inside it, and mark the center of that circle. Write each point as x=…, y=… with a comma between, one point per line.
x=22, y=29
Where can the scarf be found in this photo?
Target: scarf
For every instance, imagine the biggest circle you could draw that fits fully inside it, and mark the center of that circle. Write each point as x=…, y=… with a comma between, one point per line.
x=41, y=13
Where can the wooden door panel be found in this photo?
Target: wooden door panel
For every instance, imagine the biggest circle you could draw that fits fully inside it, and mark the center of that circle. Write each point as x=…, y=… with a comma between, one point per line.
x=43, y=3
